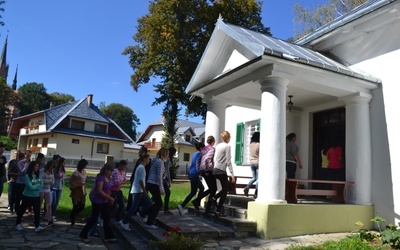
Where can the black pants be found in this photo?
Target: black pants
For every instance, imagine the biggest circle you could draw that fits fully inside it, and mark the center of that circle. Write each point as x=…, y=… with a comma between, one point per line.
x=212, y=188
x=291, y=169
x=19, y=189
x=223, y=179
x=153, y=210
x=26, y=202
x=97, y=208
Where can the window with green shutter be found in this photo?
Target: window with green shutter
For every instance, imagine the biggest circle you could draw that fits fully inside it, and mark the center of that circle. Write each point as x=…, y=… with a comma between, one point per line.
x=239, y=143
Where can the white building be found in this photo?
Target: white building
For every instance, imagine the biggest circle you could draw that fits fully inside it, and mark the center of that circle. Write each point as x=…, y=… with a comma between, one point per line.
x=342, y=80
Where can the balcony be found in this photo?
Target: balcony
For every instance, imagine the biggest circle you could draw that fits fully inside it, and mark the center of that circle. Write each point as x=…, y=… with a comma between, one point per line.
x=153, y=145
x=33, y=129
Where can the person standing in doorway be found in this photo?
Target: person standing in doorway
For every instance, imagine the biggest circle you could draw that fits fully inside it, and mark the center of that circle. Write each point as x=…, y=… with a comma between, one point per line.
x=254, y=155
x=292, y=156
x=335, y=158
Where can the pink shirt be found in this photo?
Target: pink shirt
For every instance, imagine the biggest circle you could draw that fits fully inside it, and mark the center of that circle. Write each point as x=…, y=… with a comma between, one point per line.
x=334, y=156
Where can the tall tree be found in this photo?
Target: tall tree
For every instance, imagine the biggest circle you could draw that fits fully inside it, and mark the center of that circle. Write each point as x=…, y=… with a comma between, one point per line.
x=7, y=100
x=32, y=98
x=123, y=116
x=169, y=43
x=57, y=98
x=309, y=19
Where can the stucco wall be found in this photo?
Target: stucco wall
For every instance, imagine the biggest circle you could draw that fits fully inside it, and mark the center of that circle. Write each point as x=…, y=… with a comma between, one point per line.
x=385, y=124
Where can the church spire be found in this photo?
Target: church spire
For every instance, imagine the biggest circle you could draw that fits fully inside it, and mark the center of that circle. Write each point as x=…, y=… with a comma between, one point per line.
x=14, y=85
x=3, y=60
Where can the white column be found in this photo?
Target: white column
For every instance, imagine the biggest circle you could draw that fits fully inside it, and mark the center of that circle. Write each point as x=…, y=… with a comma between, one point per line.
x=271, y=180
x=215, y=119
x=358, y=148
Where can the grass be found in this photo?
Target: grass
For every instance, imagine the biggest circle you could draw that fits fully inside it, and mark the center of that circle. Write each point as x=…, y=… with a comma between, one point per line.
x=179, y=190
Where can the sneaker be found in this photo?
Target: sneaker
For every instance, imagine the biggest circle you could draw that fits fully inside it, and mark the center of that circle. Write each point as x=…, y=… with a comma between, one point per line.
x=140, y=218
x=53, y=218
x=19, y=227
x=125, y=226
x=196, y=204
x=246, y=191
x=219, y=214
x=86, y=240
x=39, y=228
x=100, y=223
x=180, y=210
x=150, y=226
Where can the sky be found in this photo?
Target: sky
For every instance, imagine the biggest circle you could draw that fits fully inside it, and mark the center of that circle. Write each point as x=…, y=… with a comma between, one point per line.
x=74, y=47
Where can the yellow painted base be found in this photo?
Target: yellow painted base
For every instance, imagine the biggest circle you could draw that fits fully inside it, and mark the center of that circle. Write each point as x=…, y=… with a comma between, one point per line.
x=284, y=220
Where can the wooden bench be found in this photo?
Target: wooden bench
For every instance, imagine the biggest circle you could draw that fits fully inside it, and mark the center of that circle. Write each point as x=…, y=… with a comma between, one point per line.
x=233, y=187
x=337, y=190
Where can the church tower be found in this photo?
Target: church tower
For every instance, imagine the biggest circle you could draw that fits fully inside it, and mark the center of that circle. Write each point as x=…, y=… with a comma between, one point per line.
x=3, y=60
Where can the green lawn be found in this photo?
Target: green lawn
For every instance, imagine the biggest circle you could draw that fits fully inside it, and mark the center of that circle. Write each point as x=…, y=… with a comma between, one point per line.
x=179, y=190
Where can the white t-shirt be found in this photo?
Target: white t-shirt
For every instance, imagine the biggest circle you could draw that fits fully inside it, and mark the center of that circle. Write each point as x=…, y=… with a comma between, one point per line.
x=140, y=175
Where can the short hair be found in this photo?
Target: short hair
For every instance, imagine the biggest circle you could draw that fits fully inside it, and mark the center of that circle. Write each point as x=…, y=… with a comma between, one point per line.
x=290, y=136
x=199, y=146
x=255, y=137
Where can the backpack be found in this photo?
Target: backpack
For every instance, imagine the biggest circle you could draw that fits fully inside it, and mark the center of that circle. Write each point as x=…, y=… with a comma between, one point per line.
x=206, y=160
x=199, y=169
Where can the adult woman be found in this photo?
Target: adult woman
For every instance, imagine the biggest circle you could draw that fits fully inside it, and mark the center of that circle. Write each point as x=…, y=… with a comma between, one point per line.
x=195, y=182
x=78, y=189
x=206, y=167
x=155, y=187
x=292, y=156
x=254, y=153
x=56, y=191
x=222, y=160
x=48, y=180
x=13, y=174
x=101, y=199
x=118, y=178
x=138, y=191
x=167, y=180
x=30, y=196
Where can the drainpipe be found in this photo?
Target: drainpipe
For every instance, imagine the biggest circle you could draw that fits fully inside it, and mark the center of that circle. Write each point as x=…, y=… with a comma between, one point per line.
x=91, y=153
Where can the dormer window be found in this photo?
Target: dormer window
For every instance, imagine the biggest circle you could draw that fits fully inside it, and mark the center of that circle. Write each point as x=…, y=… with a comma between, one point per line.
x=187, y=138
x=80, y=125
x=101, y=129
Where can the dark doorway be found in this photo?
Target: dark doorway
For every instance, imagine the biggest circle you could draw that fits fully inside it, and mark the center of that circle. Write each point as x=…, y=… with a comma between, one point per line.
x=328, y=126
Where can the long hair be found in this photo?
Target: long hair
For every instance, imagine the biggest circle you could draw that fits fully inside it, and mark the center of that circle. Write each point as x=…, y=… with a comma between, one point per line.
x=81, y=165
x=255, y=137
x=49, y=167
x=31, y=168
x=107, y=166
x=59, y=164
x=162, y=152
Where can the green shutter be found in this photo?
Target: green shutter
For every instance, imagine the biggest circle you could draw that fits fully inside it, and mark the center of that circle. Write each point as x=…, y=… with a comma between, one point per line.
x=239, y=143
x=259, y=124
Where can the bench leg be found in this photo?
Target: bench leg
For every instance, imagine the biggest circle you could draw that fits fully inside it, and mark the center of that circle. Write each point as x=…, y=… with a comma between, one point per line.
x=290, y=193
x=341, y=193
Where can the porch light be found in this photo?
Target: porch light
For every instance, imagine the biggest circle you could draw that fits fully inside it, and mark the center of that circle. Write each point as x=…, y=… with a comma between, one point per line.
x=290, y=103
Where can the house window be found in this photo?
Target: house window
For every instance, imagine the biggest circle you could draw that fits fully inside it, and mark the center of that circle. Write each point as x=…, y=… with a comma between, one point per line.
x=102, y=148
x=244, y=131
x=187, y=138
x=186, y=157
x=45, y=142
x=30, y=143
x=35, y=142
x=98, y=128
x=80, y=125
x=75, y=141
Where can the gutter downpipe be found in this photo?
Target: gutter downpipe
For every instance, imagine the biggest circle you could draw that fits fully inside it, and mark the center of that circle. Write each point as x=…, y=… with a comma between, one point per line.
x=91, y=153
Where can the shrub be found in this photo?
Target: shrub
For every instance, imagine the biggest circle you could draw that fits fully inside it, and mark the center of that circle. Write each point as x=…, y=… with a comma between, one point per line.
x=177, y=241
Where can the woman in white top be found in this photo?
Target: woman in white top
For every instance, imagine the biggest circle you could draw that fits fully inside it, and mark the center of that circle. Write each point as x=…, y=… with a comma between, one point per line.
x=222, y=160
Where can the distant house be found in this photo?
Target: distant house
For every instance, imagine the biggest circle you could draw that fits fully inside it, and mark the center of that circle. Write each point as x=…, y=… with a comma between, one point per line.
x=339, y=82
x=74, y=130
x=187, y=134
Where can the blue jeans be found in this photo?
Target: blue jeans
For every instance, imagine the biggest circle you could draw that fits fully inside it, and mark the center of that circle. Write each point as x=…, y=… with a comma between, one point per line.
x=120, y=202
x=138, y=199
x=254, y=171
x=55, y=199
x=11, y=195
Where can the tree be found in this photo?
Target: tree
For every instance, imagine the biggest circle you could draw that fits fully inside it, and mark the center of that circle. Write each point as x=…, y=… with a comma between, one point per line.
x=7, y=100
x=57, y=98
x=170, y=41
x=33, y=98
x=123, y=116
x=309, y=19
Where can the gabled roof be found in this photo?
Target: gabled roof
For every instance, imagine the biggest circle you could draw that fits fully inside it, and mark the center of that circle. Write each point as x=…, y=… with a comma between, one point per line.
x=251, y=47
x=181, y=125
x=358, y=12
x=81, y=109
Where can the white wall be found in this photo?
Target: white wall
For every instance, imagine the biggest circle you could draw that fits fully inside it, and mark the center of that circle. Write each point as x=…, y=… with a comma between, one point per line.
x=385, y=132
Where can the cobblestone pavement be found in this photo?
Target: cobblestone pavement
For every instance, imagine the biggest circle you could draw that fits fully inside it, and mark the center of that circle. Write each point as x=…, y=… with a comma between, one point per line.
x=61, y=236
